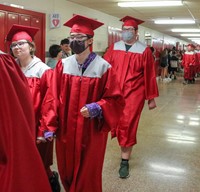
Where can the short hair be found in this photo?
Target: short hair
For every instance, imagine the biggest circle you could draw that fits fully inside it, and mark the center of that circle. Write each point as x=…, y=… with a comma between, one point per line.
x=64, y=41
x=54, y=50
x=33, y=48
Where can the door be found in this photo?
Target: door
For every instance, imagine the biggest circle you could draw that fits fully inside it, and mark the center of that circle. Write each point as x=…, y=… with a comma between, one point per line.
x=10, y=15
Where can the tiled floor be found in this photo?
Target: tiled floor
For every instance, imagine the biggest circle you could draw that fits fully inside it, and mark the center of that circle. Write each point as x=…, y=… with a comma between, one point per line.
x=167, y=156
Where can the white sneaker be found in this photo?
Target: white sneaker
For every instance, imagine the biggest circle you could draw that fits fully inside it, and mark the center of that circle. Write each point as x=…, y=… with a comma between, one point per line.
x=169, y=79
x=165, y=80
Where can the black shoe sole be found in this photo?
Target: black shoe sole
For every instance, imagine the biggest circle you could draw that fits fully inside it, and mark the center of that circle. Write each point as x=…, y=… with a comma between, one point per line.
x=124, y=177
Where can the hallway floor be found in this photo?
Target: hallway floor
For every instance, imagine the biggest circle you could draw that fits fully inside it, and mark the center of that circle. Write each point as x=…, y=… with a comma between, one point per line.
x=167, y=156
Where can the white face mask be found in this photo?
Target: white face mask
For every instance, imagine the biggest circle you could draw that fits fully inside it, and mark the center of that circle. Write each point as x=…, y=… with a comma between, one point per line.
x=127, y=35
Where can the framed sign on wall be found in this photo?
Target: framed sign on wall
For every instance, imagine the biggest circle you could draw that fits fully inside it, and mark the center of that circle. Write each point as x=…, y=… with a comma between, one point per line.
x=54, y=20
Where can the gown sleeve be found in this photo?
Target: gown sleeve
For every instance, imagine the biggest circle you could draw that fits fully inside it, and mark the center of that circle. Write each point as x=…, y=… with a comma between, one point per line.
x=21, y=167
x=49, y=108
x=45, y=82
x=112, y=103
x=151, y=88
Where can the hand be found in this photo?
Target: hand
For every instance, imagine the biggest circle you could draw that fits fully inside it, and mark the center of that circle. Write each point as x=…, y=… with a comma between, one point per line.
x=40, y=140
x=84, y=112
x=151, y=104
x=50, y=138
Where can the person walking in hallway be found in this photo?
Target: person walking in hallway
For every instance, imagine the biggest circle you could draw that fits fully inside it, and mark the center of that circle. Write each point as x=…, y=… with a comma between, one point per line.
x=134, y=65
x=38, y=75
x=21, y=168
x=86, y=103
x=189, y=63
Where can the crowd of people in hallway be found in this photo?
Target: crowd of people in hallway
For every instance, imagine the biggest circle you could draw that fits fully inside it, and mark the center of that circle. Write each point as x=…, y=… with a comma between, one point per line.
x=76, y=99
x=172, y=62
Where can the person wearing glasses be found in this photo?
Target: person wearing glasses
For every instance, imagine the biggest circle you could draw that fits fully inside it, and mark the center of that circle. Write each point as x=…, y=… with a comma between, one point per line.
x=21, y=168
x=86, y=102
x=134, y=65
x=38, y=75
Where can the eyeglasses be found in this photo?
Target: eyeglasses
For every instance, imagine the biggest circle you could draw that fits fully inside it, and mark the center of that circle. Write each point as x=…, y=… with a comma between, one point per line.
x=128, y=29
x=78, y=37
x=19, y=44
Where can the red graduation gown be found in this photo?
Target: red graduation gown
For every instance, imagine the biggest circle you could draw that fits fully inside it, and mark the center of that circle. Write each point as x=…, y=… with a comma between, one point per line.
x=189, y=62
x=21, y=168
x=136, y=73
x=198, y=57
x=39, y=76
x=81, y=142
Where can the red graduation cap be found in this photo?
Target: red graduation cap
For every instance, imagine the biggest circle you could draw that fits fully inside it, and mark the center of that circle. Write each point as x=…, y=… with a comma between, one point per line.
x=81, y=24
x=19, y=32
x=131, y=21
x=197, y=46
x=191, y=45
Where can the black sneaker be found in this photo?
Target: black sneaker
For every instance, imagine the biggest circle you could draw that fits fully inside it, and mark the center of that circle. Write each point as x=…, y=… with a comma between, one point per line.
x=124, y=170
x=54, y=182
x=193, y=81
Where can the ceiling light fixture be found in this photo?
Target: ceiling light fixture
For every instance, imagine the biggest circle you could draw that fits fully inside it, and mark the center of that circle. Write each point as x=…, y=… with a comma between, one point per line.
x=174, y=21
x=192, y=38
x=17, y=6
x=190, y=35
x=150, y=3
x=186, y=30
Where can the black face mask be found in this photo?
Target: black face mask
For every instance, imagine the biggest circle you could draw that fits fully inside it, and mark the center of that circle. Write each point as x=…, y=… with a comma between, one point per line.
x=78, y=46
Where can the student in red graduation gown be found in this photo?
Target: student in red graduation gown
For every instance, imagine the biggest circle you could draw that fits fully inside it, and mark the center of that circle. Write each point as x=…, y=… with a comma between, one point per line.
x=189, y=63
x=86, y=103
x=21, y=168
x=134, y=64
x=38, y=75
x=197, y=50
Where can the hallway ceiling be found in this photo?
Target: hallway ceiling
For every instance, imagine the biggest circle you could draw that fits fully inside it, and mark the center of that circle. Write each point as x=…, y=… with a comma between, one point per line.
x=189, y=10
